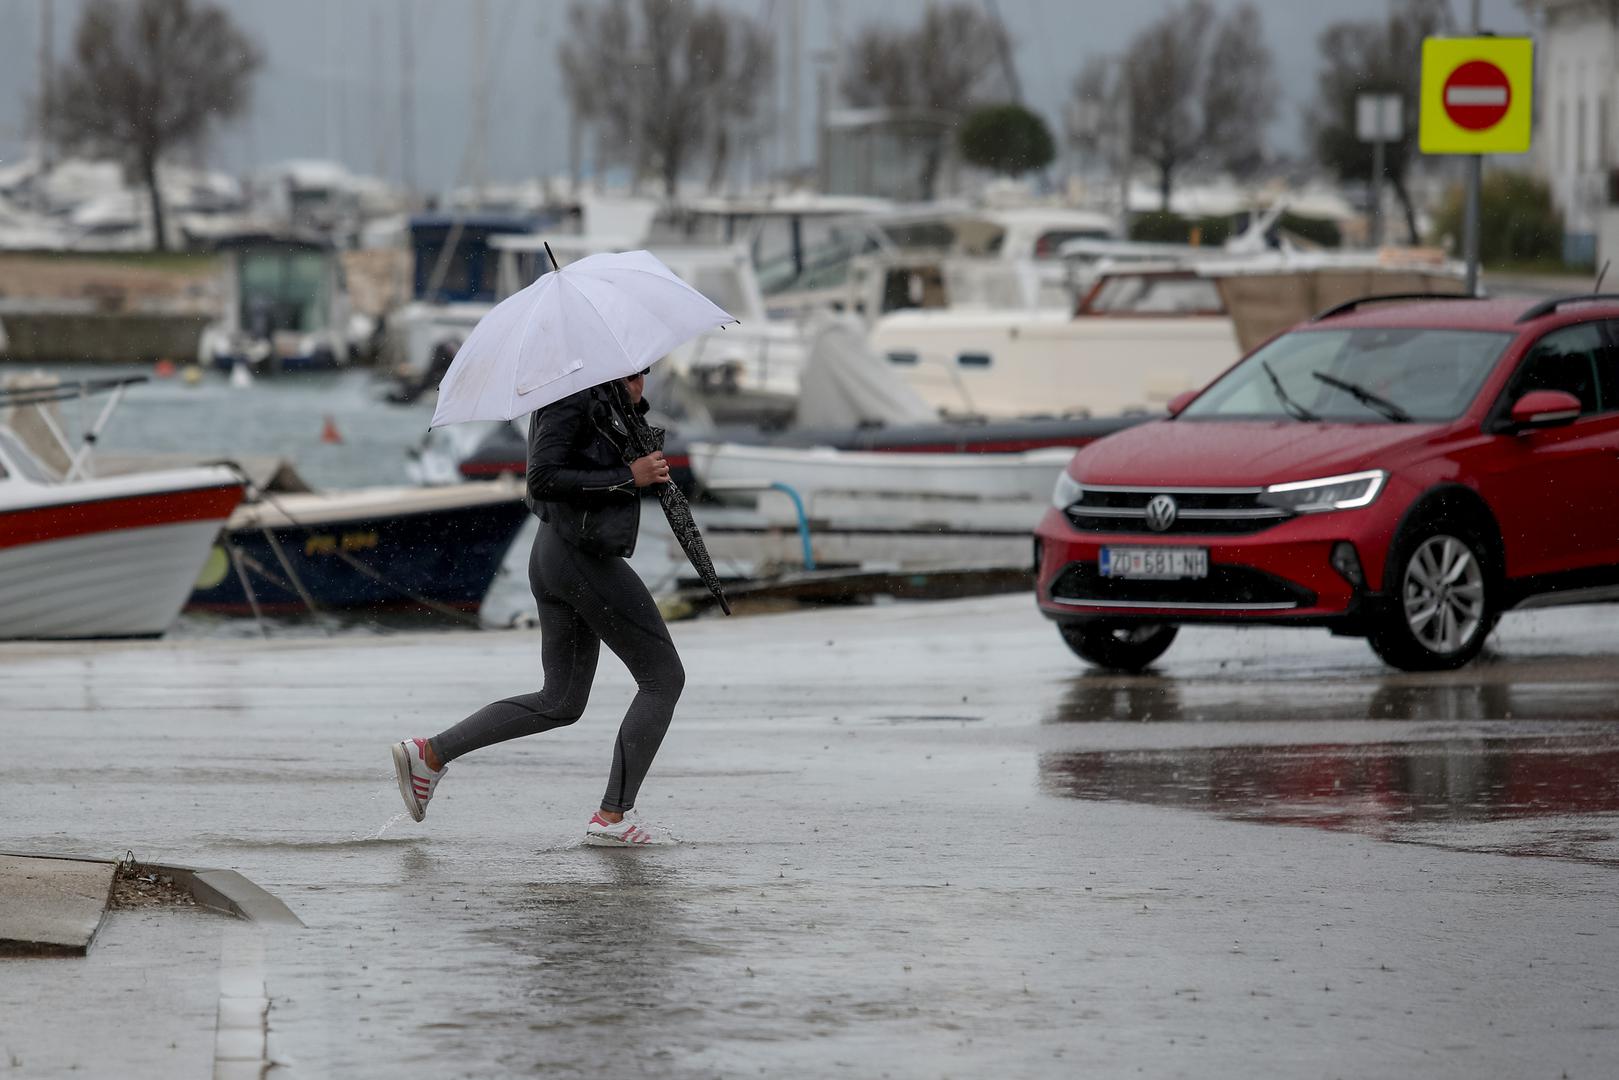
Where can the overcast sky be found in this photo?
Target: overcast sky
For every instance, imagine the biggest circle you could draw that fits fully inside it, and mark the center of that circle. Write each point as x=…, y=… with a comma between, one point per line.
x=331, y=84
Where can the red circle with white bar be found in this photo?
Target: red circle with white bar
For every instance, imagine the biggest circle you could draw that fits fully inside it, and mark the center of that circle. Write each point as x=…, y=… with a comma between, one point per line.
x=1476, y=96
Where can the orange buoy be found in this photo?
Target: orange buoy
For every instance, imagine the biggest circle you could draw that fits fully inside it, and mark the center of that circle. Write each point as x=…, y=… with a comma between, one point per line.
x=164, y=369
x=329, y=432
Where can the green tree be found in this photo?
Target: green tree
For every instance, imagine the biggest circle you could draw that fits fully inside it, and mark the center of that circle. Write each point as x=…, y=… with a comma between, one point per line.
x=148, y=77
x=1009, y=139
x=1364, y=58
x=1517, y=219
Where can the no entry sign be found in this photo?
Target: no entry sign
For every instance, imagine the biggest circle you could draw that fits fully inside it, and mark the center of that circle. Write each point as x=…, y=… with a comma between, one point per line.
x=1475, y=95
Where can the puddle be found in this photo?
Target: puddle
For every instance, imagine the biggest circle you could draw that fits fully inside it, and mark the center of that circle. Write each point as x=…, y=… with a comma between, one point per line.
x=1472, y=794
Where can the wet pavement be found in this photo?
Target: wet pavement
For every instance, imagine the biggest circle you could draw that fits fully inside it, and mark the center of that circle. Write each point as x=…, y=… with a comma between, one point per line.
x=923, y=841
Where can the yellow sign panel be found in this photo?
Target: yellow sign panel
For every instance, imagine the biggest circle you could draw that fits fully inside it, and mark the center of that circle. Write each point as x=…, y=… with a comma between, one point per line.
x=1476, y=95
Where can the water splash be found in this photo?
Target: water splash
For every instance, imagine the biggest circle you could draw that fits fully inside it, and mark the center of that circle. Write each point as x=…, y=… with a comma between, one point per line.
x=373, y=801
x=386, y=825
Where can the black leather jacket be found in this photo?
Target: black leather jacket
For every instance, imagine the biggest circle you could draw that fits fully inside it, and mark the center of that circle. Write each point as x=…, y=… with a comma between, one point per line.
x=578, y=482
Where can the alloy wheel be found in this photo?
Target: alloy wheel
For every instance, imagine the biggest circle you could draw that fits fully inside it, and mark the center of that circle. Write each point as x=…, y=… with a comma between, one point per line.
x=1444, y=594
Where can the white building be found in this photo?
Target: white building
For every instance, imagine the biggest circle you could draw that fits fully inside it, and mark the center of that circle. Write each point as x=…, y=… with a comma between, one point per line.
x=1577, y=142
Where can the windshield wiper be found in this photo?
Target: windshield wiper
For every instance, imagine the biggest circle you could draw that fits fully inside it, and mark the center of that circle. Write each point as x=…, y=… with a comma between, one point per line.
x=1294, y=409
x=1366, y=397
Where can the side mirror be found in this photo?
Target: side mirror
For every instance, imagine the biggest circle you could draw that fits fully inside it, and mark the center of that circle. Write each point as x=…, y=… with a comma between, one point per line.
x=1178, y=403
x=1544, y=409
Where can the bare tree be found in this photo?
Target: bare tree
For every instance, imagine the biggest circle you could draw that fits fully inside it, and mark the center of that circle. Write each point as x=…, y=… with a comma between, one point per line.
x=663, y=80
x=951, y=61
x=147, y=78
x=1201, y=91
x=1372, y=57
x=743, y=56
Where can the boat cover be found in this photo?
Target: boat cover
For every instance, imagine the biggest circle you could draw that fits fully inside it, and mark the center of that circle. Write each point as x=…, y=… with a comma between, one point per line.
x=846, y=385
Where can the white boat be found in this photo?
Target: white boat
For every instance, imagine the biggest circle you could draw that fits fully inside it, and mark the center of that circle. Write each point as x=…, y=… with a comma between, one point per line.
x=453, y=285
x=285, y=307
x=105, y=557
x=1122, y=352
x=933, y=255
x=817, y=472
x=875, y=511
x=1140, y=335
x=874, y=532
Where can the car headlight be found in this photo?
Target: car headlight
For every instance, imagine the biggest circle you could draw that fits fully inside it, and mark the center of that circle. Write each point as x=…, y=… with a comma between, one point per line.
x=1067, y=493
x=1329, y=493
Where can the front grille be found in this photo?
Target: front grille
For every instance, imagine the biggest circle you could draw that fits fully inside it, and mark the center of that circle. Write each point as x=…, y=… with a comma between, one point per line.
x=1204, y=511
x=1226, y=586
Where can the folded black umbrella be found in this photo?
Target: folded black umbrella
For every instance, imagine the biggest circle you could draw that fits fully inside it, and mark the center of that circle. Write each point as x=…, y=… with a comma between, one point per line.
x=646, y=439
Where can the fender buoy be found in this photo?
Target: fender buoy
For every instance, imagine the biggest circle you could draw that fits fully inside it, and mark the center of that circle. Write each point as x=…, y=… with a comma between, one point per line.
x=329, y=432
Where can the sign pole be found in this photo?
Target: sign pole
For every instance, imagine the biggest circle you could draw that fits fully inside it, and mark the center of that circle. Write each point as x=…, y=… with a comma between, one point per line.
x=1475, y=176
x=1379, y=120
x=1475, y=180
x=1377, y=193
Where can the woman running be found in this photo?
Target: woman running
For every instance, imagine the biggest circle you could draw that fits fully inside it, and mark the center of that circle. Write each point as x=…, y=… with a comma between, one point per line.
x=590, y=513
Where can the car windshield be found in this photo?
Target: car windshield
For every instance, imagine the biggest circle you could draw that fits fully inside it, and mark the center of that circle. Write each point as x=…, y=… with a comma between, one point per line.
x=1356, y=376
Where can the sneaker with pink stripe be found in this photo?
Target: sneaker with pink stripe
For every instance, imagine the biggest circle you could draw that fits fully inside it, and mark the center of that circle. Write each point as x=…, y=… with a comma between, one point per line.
x=416, y=780
x=629, y=832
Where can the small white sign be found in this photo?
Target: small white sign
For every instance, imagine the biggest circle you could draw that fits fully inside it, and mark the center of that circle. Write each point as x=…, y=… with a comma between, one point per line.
x=1379, y=118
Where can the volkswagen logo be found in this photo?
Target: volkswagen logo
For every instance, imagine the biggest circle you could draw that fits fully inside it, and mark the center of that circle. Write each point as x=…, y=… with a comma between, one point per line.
x=1161, y=512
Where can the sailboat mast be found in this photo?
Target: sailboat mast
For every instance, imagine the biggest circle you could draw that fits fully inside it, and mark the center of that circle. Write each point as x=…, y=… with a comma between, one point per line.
x=480, y=101
x=47, y=38
x=407, y=100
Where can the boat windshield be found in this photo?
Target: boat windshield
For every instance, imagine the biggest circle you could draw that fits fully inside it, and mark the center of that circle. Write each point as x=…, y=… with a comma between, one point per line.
x=1356, y=376
x=15, y=455
x=283, y=290
x=815, y=257
x=723, y=285
x=1154, y=294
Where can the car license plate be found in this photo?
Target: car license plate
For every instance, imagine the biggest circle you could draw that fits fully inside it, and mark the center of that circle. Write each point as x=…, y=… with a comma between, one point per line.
x=1160, y=563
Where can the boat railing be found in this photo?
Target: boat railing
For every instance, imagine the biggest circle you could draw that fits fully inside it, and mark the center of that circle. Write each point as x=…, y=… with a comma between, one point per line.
x=39, y=396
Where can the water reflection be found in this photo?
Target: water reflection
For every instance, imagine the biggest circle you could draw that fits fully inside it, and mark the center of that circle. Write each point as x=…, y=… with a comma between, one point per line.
x=601, y=951
x=1097, y=697
x=1366, y=788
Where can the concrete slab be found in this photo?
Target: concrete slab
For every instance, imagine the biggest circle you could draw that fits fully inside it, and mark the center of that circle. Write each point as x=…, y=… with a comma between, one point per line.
x=51, y=905
x=142, y=1004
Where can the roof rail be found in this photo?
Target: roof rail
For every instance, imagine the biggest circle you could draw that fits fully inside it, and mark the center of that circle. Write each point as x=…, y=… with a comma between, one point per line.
x=1546, y=307
x=1351, y=305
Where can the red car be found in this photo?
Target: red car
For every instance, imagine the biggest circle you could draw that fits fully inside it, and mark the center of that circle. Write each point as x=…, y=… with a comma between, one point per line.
x=1403, y=472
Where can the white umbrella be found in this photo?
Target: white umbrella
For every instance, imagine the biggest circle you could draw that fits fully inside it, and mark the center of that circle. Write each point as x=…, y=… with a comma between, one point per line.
x=599, y=319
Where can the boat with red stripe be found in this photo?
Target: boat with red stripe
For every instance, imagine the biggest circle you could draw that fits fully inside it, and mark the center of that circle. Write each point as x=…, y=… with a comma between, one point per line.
x=96, y=557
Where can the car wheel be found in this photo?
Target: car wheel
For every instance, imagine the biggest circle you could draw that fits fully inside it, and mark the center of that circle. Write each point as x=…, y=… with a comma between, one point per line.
x=1441, y=601
x=1116, y=647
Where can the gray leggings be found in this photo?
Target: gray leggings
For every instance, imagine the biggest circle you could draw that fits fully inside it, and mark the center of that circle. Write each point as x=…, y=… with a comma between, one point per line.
x=585, y=600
